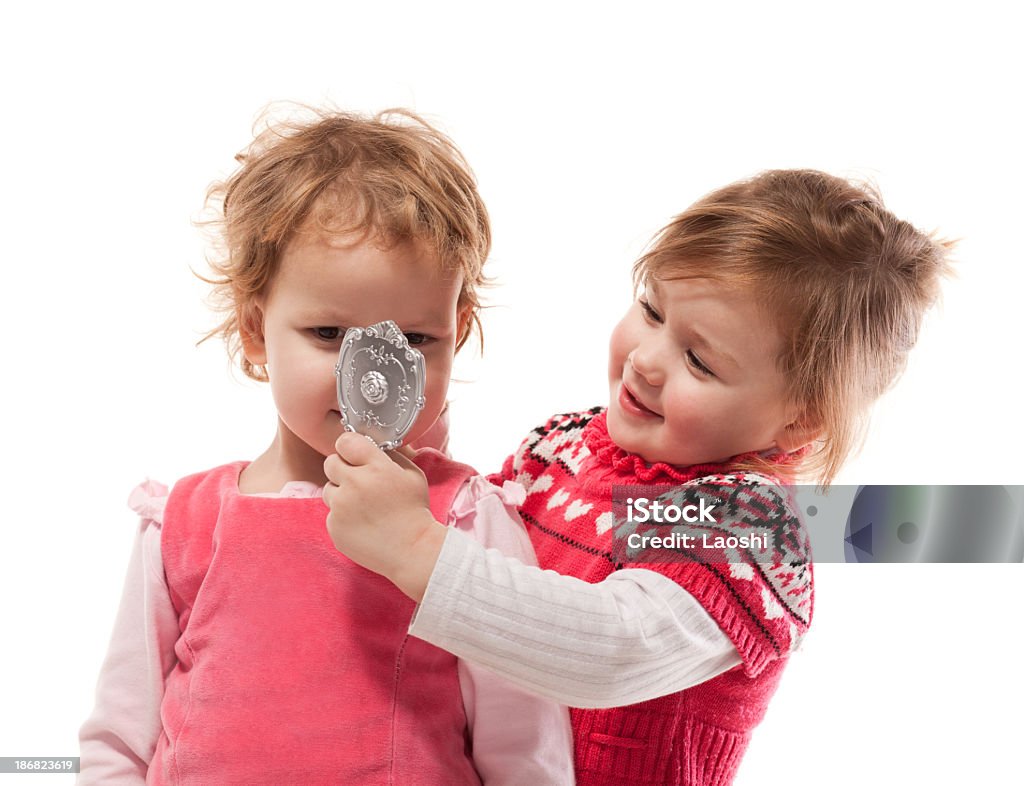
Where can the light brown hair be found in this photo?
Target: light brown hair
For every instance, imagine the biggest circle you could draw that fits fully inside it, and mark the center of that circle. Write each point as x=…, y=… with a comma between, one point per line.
x=390, y=178
x=846, y=282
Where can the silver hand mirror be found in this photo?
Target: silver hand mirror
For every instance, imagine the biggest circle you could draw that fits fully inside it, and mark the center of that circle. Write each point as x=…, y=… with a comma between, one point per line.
x=380, y=383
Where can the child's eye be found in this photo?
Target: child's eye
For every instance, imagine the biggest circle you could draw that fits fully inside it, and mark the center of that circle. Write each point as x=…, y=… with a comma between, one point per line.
x=327, y=333
x=417, y=339
x=650, y=313
x=695, y=361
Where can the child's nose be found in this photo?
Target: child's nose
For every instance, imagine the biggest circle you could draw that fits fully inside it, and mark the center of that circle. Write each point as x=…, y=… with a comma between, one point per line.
x=644, y=360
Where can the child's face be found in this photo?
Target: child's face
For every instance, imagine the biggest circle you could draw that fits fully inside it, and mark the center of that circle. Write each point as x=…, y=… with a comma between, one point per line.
x=325, y=285
x=692, y=370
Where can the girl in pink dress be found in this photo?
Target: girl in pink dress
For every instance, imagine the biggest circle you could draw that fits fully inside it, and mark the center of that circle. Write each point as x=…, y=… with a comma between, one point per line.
x=247, y=649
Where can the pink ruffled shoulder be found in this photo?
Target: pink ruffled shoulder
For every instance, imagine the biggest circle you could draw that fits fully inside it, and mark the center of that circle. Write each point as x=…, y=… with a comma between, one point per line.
x=477, y=488
x=148, y=499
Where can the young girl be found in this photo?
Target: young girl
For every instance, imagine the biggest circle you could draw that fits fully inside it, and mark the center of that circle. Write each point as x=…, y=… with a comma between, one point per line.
x=771, y=314
x=248, y=650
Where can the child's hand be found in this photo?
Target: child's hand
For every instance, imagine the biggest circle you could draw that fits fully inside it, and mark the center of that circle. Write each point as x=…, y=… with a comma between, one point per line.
x=380, y=513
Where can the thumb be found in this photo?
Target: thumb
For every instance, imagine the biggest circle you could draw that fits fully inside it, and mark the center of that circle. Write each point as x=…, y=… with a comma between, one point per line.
x=406, y=463
x=356, y=450
x=412, y=477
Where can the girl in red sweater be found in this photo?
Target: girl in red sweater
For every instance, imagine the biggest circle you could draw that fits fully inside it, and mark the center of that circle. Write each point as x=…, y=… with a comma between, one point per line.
x=770, y=314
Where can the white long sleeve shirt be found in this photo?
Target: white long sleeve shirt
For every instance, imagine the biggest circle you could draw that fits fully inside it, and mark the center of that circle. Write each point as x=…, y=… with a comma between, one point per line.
x=635, y=636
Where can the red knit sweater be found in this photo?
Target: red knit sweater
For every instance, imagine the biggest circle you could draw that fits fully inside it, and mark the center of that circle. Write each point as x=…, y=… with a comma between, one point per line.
x=762, y=601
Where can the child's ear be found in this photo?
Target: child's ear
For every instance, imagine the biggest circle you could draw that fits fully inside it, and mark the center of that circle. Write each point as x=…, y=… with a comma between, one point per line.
x=798, y=433
x=465, y=324
x=250, y=330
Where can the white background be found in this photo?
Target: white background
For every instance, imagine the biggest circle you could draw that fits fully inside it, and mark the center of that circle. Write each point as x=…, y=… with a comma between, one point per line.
x=588, y=126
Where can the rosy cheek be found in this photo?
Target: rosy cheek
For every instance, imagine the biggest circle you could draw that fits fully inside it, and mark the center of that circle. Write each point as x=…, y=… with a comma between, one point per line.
x=438, y=373
x=618, y=348
x=684, y=408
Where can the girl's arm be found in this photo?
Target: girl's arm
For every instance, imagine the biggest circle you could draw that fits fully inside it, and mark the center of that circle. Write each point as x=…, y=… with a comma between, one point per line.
x=635, y=636
x=120, y=736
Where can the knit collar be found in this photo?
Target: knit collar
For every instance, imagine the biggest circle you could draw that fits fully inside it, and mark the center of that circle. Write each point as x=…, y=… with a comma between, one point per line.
x=626, y=468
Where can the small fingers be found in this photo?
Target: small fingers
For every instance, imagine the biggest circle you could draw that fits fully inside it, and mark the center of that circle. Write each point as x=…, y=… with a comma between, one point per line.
x=329, y=490
x=334, y=469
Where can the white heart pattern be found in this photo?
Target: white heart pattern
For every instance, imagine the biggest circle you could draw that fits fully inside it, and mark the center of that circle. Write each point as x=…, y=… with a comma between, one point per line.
x=543, y=483
x=577, y=509
x=557, y=499
x=604, y=522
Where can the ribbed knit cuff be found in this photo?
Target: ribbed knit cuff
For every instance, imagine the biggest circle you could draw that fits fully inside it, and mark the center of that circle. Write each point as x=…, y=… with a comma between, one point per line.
x=752, y=645
x=714, y=754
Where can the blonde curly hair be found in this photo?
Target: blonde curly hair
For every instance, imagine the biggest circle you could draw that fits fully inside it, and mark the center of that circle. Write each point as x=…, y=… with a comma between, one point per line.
x=391, y=177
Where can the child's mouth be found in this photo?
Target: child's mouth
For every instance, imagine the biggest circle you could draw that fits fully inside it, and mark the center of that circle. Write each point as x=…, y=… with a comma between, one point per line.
x=632, y=404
